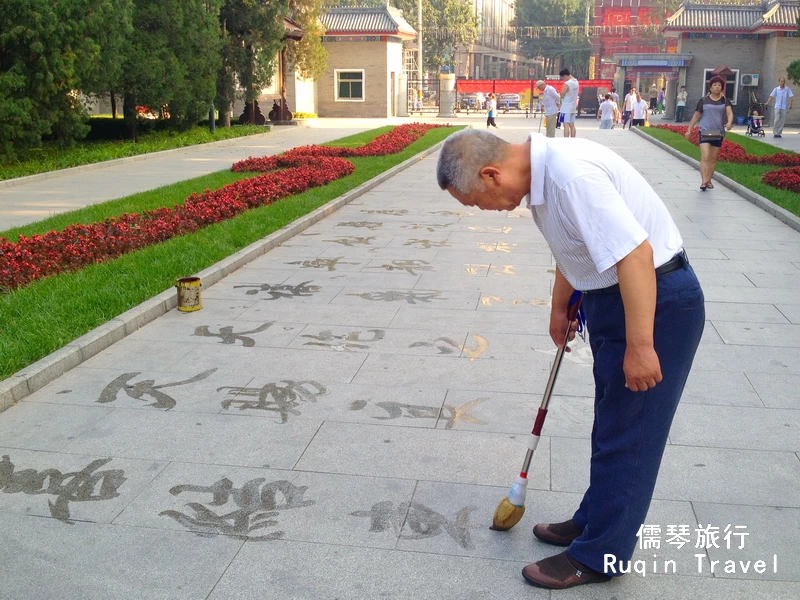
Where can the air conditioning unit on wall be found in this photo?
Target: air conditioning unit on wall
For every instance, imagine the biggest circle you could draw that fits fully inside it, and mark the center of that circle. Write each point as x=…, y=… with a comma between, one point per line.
x=750, y=80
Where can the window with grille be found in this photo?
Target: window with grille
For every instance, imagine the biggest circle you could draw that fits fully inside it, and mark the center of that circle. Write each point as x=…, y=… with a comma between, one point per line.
x=349, y=85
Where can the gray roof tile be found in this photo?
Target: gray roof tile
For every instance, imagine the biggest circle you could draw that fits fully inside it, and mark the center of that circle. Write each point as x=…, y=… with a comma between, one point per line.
x=366, y=20
x=731, y=17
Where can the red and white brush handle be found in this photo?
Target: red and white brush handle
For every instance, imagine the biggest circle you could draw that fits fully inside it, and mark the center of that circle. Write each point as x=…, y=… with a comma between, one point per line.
x=517, y=494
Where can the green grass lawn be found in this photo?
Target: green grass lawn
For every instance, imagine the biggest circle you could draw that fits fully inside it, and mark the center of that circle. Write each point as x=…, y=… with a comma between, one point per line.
x=748, y=175
x=50, y=313
x=51, y=157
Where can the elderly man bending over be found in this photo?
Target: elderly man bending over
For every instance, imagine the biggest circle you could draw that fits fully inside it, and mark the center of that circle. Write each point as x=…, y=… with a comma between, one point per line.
x=613, y=239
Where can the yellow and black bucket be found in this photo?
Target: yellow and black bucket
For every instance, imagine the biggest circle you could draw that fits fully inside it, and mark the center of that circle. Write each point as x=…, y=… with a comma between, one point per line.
x=189, y=296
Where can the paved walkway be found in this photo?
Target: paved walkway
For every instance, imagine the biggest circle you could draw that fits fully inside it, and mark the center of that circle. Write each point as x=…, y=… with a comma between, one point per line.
x=73, y=189
x=342, y=417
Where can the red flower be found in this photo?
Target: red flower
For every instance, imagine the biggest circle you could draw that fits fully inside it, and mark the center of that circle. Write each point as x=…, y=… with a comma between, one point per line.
x=79, y=245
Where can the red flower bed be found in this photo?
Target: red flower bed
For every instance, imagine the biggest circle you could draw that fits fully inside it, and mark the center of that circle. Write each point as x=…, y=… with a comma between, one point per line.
x=735, y=153
x=79, y=245
x=785, y=179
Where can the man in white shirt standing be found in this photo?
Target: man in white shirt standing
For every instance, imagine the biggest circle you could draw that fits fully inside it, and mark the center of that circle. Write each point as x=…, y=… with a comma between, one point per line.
x=627, y=107
x=607, y=113
x=639, y=111
x=551, y=100
x=783, y=103
x=613, y=238
x=569, y=102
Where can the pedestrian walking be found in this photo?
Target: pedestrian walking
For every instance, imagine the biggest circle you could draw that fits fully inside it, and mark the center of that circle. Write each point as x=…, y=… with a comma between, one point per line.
x=639, y=112
x=715, y=115
x=783, y=104
x=661, y=94
x=491, y=111
x=551, y=99
x=607, y=113
x=653, y=98
x=613, y=239
x=680, y=106
x=627, y=108
x=569, y=102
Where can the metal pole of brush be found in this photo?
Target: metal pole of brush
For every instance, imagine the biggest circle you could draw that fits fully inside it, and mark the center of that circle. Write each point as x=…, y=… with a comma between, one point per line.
x=548, y=390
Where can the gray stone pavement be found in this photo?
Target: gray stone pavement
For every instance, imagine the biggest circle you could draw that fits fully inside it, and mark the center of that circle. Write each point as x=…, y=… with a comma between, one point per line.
x=344, y=414
x=75, y=188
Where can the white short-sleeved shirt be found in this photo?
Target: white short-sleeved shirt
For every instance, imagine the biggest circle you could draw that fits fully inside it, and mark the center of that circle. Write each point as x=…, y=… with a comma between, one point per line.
x=629, y=100
x=569, y=104
x=782, y=97
x=594, y=209
x=640, y=109
x=607, y=110
x=551, y=99
x=615, y=97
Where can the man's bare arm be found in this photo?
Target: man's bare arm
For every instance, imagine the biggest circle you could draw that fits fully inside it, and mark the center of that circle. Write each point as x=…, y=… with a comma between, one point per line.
x=637, y=283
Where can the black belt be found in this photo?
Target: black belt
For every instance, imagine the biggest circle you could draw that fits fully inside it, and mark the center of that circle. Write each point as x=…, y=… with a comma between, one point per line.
x=673, y=264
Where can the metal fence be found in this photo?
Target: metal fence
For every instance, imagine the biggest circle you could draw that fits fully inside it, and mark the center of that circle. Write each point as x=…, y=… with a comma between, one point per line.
x=423, y=96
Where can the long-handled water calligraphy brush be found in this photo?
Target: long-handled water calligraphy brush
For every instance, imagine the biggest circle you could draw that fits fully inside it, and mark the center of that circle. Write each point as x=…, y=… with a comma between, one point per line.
x=512, y=507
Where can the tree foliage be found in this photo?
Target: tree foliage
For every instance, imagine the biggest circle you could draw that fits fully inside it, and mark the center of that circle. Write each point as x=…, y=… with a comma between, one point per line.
x=307, y=55
x=570, y=49
x=172, y=58
x=252, y=34
x=46, y=46
x=793, y=71
x=448, y=25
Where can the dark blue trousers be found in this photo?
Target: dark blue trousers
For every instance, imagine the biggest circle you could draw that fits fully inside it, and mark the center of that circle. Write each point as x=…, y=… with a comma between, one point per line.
x=631, y=428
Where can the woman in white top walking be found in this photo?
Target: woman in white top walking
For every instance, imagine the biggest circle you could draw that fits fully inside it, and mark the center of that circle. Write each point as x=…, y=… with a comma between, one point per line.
x=491, y=113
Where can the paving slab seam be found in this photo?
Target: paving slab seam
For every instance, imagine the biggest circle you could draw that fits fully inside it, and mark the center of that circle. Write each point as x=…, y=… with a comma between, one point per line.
x=18, y=181
x=760, y=201
x=35, y=376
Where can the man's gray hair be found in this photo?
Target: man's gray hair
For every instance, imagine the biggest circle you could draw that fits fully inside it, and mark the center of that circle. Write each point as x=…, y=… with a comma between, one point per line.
x=540, y=83
x=463, y=156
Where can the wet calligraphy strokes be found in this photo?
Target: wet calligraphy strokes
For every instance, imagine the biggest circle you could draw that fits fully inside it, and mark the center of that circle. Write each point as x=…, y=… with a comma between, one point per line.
x=283, y=397
x=415, y=521
x=348, y=341
x=255, y=507
x=143, y=390
x=86, y=485
x=409, y=266
x=321, y=263
x=397, y=410
x=447, y=345
x=431, y=227
x=395, y=296
x=371, y=225
x=395, y=212
x=301, y=290
x=228, y=336
x=352, y=241
x=426, y=243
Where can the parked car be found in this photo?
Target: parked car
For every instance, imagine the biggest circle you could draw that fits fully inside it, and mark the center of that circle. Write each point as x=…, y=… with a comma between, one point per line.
x=508, y=101
x=468, y=102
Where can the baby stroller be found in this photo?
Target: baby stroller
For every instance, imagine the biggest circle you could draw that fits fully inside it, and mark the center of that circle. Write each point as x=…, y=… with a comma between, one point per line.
x=755, y=119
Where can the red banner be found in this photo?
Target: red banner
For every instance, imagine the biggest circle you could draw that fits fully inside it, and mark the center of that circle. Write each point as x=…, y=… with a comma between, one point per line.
x=516, y=86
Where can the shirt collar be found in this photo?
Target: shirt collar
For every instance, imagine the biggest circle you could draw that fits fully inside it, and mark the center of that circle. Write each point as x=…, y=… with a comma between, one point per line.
x=538, y=157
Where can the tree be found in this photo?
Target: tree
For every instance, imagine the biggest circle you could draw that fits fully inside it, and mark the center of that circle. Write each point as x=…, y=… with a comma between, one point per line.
x=793, y=71
x=569, y=45
x=448, y=26
x=45, y=48
x=110, y=26
x=308, y=55
x=172, y=58
x=252, y=32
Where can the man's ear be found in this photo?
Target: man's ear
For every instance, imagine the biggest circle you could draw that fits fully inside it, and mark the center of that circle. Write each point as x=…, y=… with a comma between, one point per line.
x=490, y=176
